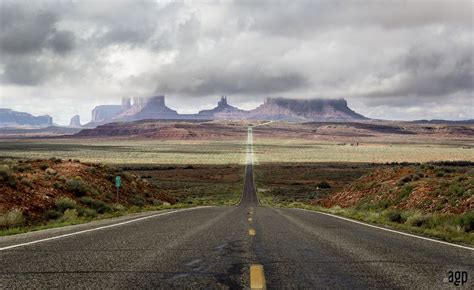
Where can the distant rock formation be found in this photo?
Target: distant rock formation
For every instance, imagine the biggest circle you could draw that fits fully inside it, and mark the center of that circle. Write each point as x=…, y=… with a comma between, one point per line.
x=126, y=104
x=104, y=113
x=147, y=108
x=75, y=122
x=141, y=108
x=10, y=118
x=320, y=110
x=223, y=111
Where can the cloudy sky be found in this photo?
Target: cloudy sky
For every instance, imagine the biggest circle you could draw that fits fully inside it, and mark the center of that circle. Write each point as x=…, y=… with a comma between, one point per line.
x=389, y=59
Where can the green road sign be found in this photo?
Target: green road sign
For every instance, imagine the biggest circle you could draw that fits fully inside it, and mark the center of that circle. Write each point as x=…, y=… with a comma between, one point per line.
x=118, y=181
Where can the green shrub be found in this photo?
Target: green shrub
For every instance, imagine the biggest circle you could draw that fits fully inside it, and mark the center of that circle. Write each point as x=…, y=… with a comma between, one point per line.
x=98, y=205
x=110, y=177
x=405, y=179
x=466, y=222
x=394, y=216
x=138, y=201
x=323, y=184
x=76, y=186
x=405, y=192
x=92, y=170
x=456, y=189
x=58, y=185
x=44, y=166
x=418, y=220
x=12, y=218
x=118, y=207
x=157, y=202
x=384, y=204
x=440, y=172
x=7, y=176
x=86, y=200
x=87, y=212
x=52, y=214
x=64, y=203
x=70, y=215
x=25, y=168
x=55, y=160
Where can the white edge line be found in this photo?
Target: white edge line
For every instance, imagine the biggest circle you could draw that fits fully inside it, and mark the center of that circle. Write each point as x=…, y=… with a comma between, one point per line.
x=385, y=229
x=98, y=228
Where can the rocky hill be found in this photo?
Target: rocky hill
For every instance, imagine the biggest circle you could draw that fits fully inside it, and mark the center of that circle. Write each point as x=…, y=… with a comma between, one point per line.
x=166, y=129
x=10, y=118
x=441, y=187
x=37, y=191
x=75, y=121
x=322, y=110
x=104, y=113
x=146, y=108
x=223, y=111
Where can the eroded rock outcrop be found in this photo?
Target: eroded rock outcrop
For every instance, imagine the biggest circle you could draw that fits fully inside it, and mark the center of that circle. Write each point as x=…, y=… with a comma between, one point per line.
x=104, y=113
x=147, y=108
x=223, y=111
x=283, y=109
x=75, y=122
x=10, y=118
x=322, y=110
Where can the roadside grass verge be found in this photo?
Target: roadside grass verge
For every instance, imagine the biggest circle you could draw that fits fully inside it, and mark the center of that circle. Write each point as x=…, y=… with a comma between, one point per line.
x=72, y=219
x=447, y=227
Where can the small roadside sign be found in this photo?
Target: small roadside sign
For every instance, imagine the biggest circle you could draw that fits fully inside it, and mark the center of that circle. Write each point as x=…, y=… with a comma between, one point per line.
x=118, y=181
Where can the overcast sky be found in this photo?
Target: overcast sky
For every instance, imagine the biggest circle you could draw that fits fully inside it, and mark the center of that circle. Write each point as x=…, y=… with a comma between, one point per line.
x=389, y=59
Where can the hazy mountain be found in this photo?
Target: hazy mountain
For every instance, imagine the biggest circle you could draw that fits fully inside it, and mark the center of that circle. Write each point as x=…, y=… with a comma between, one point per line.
x=322, y=110
x=75, y=121
x=145, y=108
x=10, y=118
x=223, y=111
x=104, y=113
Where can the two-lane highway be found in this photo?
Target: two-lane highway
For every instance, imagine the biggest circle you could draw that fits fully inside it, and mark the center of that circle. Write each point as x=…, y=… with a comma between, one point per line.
x=229, y=247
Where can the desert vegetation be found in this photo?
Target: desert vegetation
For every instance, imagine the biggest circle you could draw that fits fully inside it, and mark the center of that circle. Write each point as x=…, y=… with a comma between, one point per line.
x=174, y=152
x=35, y=192
x=39, y=193
x=302, y=151
x=433, y=198
x=195, y=184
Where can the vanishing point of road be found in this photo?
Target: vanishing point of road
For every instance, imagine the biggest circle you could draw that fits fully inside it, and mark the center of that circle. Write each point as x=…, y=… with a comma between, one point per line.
x=244, y=246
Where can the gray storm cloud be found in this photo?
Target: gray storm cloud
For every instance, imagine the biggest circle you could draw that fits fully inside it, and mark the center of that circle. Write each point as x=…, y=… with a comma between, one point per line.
x=376, y=54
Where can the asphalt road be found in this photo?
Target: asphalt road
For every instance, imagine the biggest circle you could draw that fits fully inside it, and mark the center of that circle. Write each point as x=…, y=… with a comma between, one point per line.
x=214, y=247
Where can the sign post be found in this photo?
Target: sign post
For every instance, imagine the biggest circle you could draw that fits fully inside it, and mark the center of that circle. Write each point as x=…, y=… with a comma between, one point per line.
x=118, y=182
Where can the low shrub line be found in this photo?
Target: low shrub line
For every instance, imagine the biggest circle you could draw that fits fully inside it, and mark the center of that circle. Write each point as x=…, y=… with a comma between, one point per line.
x=73, y=216
x=447, y=227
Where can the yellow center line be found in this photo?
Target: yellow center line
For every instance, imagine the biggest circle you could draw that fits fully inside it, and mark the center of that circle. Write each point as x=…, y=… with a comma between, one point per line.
x=252, y=232
x=257, y=277
x=250, y=219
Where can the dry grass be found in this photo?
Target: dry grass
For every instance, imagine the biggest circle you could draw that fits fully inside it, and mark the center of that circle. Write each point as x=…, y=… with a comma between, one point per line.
x=129, y=151
x=304, y=151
